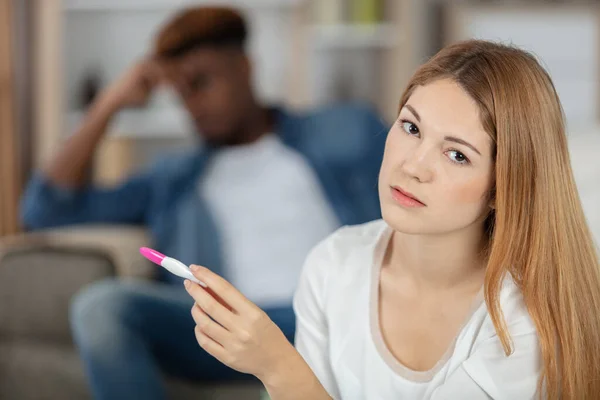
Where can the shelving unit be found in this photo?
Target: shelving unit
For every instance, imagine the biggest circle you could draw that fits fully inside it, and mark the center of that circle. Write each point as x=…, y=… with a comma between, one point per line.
x=354, y=36
x=378, y=57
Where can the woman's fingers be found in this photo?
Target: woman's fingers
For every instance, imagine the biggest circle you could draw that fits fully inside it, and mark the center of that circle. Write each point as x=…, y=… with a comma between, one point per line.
x=209, y=327
x=213, y=348
x=223, y=289
x=210, y=305
x=243, y=336
x=218, y=298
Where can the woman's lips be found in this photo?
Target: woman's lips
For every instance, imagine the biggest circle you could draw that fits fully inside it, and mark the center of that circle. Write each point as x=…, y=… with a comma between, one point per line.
x=405, y=198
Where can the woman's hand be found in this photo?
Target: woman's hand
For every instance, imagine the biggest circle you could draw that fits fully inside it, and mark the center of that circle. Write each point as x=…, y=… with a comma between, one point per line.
x=234, y=330
x=239, y=334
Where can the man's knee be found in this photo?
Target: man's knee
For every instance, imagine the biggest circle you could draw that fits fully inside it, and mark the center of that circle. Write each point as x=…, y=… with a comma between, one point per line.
x=101, y=310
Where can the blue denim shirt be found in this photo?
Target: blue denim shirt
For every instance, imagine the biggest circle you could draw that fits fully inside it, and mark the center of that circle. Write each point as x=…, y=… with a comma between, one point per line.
x=343, y=143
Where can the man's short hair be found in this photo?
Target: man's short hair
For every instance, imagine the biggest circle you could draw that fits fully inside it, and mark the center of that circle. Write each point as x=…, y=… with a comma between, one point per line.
x=200, y=27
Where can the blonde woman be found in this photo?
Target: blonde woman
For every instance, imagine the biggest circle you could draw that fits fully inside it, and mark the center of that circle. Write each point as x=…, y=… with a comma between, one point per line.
x=480, y=282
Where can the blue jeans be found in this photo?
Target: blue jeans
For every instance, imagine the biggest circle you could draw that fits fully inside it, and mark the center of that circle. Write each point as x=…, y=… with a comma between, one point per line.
x=131, y=332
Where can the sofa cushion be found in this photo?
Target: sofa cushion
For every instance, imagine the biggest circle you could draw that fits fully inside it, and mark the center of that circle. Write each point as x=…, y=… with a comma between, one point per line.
x=36, y=370
x=36, y=286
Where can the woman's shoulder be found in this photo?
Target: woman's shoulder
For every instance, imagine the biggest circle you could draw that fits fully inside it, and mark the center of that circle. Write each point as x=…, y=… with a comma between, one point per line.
x=348, y=248
x=352, y=241
x=516, y=316
x=514, y=313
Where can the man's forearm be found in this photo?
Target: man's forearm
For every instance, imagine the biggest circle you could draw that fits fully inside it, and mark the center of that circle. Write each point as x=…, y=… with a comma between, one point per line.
x=69, y=166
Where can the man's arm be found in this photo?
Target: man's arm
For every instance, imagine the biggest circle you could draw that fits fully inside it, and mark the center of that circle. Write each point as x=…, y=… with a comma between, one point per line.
x=67, y=168
x=58, y=195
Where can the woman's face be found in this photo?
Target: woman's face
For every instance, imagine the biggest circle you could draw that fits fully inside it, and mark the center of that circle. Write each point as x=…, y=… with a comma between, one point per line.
x=438, y=153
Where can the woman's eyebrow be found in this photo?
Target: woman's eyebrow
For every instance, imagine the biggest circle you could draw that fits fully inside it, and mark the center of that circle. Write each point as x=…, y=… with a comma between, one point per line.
x=446, y=138
x=461, y=141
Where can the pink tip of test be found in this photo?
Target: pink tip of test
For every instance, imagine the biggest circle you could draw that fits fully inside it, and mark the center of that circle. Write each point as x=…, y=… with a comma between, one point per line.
x=152, y=255
x=170, y=264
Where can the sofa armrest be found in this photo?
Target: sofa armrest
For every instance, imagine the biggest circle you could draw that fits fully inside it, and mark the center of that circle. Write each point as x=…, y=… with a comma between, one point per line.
x=36, y=285
x=122, y=242
x=40, y=272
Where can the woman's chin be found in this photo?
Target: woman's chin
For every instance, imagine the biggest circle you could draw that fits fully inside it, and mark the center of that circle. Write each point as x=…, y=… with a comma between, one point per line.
x=409, y=224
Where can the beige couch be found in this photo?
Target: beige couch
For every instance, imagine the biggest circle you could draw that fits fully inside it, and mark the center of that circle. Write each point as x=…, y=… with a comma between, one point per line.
x=39, y=273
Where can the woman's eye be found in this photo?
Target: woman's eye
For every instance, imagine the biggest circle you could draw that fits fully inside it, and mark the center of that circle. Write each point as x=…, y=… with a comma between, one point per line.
x=458, y=157
x=410, y=128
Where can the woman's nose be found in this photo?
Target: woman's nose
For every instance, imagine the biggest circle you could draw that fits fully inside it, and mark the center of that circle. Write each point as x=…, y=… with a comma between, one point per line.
x=419, y=163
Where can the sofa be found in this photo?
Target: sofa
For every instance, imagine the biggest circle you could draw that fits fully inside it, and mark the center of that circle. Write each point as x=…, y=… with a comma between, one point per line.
x=39, y=273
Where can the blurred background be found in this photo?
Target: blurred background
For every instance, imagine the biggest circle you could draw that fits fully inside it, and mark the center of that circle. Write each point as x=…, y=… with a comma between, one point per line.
x=55, y=56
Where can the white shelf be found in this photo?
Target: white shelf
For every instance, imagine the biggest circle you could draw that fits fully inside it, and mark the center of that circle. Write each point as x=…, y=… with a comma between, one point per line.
x=350, y=36
x=141, y=5
x=149, y=123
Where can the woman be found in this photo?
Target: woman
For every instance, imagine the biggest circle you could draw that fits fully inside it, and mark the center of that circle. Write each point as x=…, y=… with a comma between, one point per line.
x=481, y=281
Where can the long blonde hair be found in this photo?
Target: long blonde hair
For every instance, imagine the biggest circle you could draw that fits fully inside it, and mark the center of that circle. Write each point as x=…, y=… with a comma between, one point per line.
x=537, y=229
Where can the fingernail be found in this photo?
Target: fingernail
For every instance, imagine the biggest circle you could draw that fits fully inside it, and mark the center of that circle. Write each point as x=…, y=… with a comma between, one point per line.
x=195, y=268
x=187, y=284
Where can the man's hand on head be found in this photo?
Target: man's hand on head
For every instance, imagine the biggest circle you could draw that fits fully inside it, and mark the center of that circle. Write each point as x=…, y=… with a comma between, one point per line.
x=136, y=85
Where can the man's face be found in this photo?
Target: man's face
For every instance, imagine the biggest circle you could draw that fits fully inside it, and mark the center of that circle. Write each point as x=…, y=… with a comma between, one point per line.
x=214, y=85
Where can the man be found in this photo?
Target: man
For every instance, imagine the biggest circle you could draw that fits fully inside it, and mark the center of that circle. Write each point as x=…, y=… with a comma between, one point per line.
x=265, y=186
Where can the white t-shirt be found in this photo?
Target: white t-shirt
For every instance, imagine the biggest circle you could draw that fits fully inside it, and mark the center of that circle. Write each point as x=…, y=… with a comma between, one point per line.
x=338, y=332
x=270, y=211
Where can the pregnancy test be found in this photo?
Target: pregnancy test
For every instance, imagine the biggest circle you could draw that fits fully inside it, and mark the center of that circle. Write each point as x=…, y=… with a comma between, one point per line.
x=172, y=265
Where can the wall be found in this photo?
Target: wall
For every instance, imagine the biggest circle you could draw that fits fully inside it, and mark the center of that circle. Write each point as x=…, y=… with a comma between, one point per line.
x=565, y=38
